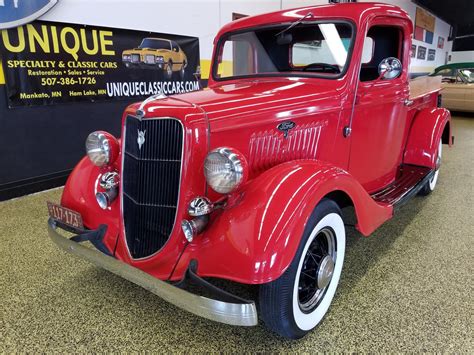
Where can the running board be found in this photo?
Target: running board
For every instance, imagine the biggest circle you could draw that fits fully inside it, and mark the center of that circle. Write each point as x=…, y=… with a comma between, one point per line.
x=410, y=180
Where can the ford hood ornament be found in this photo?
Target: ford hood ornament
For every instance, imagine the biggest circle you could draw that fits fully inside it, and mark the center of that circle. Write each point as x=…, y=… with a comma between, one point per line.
x=141, y=138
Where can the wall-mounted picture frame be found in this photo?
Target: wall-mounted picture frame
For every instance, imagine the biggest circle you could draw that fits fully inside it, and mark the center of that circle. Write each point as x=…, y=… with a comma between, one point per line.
x=421, y=54
x=440, y=42
x=424, y=26
x=413, y=51
x=431, y=54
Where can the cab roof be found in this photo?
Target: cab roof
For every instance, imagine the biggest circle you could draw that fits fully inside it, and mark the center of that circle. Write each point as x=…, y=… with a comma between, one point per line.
x=355, y=12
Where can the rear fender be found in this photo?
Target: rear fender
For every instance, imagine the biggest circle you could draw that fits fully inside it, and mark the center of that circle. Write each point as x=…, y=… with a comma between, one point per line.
x=254, y=239
x=79, y=195
x=429, y=126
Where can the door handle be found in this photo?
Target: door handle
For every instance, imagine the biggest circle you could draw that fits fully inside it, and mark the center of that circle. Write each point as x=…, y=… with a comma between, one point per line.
x=408, y=102
x=346, y=132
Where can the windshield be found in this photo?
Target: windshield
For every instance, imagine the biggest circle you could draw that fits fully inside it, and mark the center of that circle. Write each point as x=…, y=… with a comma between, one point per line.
x=155, y=44
x=467, y=74
x=306, y=49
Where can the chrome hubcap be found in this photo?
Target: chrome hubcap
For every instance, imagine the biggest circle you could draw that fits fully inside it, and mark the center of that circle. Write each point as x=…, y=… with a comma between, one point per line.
x=325, y=271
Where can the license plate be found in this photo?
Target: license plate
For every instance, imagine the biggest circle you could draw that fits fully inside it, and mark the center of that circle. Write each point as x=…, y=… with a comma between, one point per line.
x=65, y=215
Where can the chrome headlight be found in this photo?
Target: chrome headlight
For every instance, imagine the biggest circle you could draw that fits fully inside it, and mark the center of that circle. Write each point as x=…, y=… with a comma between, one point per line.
x=225, y=169
x=101, y=147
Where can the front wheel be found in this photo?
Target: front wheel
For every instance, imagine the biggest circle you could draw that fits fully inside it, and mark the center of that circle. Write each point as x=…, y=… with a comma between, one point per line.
x=169, y=70
x=431, y=183
x=297, y=301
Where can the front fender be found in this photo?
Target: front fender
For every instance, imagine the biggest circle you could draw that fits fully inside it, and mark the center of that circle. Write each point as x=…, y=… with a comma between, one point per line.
x=429, y=126
x=79, y=195
x=254, y=240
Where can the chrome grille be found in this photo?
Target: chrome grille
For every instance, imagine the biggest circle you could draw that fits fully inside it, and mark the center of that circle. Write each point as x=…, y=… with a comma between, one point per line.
x=150, y=59
x=135, y=58
x=150, y=182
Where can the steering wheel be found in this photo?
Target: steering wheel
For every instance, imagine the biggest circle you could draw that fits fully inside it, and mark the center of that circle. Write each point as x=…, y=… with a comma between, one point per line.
x=323, y=66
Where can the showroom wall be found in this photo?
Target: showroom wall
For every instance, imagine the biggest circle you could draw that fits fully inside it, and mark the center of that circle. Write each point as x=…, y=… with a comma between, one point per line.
x=464, y=56
x=441, y=30
x=210, y=15
x=204, y=21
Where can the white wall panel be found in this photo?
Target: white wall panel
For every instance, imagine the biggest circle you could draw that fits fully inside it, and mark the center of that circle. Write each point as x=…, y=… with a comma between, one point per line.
x=464, y=56
x=186, y=17
x=288, y=4
x=246, y=7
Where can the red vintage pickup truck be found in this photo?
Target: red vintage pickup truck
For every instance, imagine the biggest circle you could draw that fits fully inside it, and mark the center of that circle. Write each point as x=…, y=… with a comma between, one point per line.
x=308, y=111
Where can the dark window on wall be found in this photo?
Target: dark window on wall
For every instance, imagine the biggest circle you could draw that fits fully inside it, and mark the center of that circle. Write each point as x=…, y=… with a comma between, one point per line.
x=236, y=16
x=386, y=42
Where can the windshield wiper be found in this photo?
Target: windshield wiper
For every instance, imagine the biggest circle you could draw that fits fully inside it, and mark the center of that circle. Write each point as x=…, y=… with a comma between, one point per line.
x=296, y=23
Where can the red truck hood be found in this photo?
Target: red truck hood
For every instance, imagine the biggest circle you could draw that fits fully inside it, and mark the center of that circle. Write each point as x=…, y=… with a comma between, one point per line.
x=227, y=101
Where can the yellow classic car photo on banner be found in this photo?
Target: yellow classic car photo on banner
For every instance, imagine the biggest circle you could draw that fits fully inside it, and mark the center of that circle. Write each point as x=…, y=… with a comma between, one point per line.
x=159, y=53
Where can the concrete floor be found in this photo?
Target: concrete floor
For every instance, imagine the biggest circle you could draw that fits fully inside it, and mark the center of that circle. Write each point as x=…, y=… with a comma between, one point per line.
x=408, y=287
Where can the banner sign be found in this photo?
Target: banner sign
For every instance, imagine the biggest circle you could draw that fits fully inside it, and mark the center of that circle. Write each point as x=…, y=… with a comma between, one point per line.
x=14, y=13
x=47, y=63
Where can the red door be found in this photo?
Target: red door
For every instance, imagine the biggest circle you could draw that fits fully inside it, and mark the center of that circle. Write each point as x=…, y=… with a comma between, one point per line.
x=380, y=122
x=378, y=130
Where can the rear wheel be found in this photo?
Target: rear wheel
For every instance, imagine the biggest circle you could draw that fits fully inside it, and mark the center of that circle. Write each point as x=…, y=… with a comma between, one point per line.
x=431, y=183
x=296, y=302
x=183, y=70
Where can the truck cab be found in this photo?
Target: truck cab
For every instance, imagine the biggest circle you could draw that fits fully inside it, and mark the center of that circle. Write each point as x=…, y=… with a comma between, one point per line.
x=308, y=111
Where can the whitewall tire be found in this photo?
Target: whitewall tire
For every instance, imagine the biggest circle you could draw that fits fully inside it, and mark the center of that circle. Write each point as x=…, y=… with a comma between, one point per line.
x=431, y=183
x=296, y=302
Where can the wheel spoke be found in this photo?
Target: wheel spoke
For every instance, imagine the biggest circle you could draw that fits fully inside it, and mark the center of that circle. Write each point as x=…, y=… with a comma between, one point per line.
x=304, y=273
x=313, y=257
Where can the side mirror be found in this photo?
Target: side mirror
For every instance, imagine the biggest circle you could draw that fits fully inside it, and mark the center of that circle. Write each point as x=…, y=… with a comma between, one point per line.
x=390, y=68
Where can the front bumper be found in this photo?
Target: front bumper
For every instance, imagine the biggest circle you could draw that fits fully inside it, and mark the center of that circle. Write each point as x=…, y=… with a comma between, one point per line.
x=243, y=314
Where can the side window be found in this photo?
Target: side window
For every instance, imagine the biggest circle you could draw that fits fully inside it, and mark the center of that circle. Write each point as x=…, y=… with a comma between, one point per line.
x=446, y=72
x=447, y=75
x=368, y=50
x=174, y=46
x=381, y=42
x=238, y=57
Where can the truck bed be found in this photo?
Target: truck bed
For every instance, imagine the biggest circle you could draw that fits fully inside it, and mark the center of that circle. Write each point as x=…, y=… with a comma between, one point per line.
x=424, y=85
